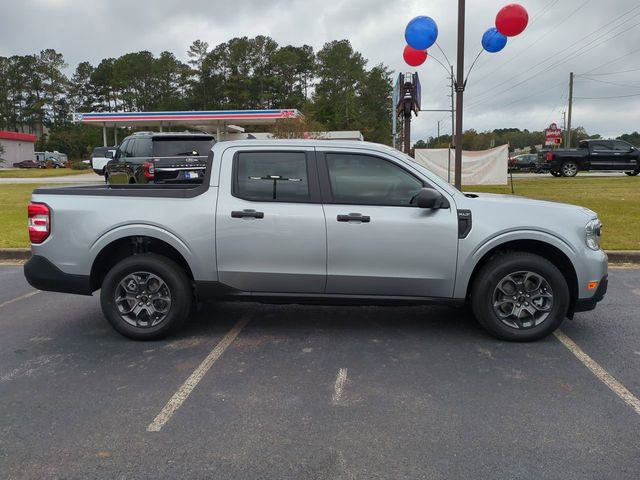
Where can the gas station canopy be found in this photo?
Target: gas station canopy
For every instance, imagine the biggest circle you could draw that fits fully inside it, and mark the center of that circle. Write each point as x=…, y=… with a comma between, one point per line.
x=215, y=121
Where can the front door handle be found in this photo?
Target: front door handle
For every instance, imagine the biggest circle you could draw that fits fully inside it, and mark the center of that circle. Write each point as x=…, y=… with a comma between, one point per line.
x=247, y=214
x=354, y=217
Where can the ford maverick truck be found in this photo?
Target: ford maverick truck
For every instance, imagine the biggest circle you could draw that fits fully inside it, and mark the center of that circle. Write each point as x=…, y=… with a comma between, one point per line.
x=323, y=222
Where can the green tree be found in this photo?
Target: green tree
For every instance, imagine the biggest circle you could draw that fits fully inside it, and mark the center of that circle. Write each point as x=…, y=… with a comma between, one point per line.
x=197, y=54
x=50, y=68
x=341, y=72
x=375, y=98
x=632, y=138
x=103, y=88
x=81, y=91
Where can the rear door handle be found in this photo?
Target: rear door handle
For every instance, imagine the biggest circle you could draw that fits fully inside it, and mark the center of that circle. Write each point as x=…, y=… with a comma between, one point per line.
x=354, y=217
x=247, y=214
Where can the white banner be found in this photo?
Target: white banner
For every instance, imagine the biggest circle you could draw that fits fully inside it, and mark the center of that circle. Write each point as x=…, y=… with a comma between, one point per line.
x=485, y=167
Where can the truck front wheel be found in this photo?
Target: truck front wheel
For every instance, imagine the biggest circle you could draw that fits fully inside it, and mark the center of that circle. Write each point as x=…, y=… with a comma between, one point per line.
x=520, y=297
x=569, y=169
x=146, y=296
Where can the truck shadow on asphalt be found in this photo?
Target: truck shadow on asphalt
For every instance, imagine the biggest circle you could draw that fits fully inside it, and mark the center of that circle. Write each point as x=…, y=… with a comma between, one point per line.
x=436, y=321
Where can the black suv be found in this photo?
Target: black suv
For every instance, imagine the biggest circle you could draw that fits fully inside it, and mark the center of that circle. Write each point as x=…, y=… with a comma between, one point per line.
x=152, y=157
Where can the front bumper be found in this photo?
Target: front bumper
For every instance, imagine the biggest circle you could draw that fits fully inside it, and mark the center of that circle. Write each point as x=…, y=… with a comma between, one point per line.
x=587, y=304
x=44, y=275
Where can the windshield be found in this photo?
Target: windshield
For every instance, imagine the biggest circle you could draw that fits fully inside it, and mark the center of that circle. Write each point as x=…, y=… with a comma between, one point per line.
x=178, y=147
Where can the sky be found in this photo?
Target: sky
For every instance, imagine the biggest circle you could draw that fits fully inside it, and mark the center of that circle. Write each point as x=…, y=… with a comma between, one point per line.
x=524, y=86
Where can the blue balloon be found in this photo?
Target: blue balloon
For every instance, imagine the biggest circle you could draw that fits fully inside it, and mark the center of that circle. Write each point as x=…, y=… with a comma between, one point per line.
x=493, y=41
x=421, y=33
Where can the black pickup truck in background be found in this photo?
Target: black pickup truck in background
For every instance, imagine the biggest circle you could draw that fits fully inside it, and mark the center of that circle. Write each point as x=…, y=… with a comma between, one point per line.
x=595, y=155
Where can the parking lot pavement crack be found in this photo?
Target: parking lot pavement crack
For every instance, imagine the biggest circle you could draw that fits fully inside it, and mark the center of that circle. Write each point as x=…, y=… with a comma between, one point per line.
x=190, y=384
x=605, y=377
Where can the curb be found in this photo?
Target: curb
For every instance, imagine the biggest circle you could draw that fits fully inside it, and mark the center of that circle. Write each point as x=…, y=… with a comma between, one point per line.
x=15, y=253
x=623, y=256
x=615, y=256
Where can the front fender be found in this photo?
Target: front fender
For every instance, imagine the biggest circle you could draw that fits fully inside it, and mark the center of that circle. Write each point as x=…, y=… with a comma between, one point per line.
x=468, y=261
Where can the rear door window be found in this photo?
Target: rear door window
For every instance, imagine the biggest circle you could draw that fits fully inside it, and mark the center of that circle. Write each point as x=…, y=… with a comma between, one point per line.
x=142, y=148
x=602, y=146
x=271, y=176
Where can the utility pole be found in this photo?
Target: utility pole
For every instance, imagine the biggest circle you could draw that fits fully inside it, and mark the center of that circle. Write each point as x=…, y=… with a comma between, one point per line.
x=438, y=131
x=459, y=94
x=394, y=115
x=570, y=107
x=564, y=126
x=453, y=129
x=407, y=132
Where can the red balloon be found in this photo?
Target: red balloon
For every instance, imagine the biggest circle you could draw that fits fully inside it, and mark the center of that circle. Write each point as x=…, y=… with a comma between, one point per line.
x=512, y=19
x=414, y=57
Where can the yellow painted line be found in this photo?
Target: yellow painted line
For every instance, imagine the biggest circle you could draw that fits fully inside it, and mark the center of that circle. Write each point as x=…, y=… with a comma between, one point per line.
x=190, y=384
x=616, y=387
x=21, y=297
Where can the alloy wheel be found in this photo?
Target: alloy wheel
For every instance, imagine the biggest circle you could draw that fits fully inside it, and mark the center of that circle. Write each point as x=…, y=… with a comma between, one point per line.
x=143, y=299
x=522, y=300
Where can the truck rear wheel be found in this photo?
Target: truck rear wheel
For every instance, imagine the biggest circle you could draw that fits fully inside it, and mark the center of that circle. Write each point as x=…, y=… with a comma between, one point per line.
x=146, y=296
x=569, y=169
x=520, y=297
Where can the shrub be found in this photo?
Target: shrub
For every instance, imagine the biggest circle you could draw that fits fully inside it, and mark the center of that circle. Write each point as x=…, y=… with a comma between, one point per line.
x=80, y=165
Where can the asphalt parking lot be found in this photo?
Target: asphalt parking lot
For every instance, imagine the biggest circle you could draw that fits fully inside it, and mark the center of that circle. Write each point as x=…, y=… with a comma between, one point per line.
x=249, y=391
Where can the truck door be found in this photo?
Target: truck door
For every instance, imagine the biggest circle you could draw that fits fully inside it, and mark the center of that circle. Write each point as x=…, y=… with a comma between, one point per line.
x=623, y=156
x=378, y=242
x=270, y=226
x=602, y=155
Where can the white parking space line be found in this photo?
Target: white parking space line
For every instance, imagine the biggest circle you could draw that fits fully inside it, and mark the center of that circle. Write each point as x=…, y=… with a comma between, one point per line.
x=190, y=384
x=21, y=297
x=617, y=388
x=338, y=389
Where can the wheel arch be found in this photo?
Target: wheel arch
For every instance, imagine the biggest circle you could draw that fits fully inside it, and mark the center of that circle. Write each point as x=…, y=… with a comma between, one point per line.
x=535, y=246
x=115, y=249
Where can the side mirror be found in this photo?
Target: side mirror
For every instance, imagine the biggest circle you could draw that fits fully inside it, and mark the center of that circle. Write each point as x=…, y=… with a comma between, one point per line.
x=108, y=154
x=430, y=198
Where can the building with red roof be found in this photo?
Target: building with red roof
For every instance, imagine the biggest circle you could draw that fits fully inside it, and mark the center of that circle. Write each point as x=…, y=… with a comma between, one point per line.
x=16, y=147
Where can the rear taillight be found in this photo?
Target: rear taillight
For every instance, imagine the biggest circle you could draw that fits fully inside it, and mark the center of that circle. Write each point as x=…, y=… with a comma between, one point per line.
x=39, y=222
x=549, y=156
x=149, y=170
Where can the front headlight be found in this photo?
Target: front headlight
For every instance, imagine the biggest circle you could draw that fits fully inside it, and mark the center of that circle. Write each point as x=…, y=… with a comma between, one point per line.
x=592, y=232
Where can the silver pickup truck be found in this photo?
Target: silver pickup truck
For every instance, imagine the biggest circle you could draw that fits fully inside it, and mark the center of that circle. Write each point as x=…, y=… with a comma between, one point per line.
x=328, y=222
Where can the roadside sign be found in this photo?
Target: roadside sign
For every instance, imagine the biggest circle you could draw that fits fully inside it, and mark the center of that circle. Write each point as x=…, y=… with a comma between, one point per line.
x=552, y=135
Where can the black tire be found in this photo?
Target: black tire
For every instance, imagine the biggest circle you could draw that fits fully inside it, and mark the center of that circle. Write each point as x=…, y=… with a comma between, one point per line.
x=555, y=173
x=569, y=169
x=634, y=173
x=486, y=286
x=171, y=275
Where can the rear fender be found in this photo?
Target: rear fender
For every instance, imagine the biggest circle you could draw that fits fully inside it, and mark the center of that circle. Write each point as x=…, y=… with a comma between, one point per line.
x=133, y=230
